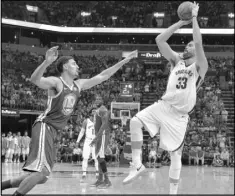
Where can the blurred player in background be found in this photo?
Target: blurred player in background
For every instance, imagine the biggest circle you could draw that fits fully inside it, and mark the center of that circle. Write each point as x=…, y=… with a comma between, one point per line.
x=17, y=151
x=101, y=141
x=4, y=146
x=25, y=141
x=89, y=130
x=170, y=114
x=10, y=148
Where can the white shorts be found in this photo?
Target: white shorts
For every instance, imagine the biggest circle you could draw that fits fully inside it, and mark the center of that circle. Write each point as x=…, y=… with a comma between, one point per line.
x=25, y=151
x=17, y=151
x=9, y=152
x=87, y=149
x=162, y=117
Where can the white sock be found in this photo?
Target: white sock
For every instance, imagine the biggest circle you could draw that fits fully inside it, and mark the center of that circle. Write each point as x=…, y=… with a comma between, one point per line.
x=174, y=188
x=136, y=159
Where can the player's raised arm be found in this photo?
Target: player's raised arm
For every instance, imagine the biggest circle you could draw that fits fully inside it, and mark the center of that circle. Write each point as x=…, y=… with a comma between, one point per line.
x=106, y=74
x=164, y=47
x=36, y=77
x=82, y=130
x=201, y=61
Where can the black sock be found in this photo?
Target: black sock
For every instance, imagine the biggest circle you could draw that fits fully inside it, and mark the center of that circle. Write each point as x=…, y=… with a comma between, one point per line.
x=6, y=184
x=17, y=194
x=106, y=178
x=103, y=166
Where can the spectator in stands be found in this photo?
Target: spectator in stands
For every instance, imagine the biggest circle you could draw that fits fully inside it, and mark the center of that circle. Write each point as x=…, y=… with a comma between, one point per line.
x=224, y=155
x=217, y=162
x=192, y=155
x=152, y=156
x=165, y=157
x=77, y=154
x=200, y=156
x=224, y=114
x=144, y=153
x=146, y=88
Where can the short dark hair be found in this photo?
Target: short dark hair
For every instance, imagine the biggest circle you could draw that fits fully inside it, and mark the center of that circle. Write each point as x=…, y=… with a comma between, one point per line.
x=61, y=61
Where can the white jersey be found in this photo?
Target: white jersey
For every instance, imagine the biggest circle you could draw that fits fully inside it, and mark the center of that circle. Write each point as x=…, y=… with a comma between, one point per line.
x=181, y=91
x=90, y=129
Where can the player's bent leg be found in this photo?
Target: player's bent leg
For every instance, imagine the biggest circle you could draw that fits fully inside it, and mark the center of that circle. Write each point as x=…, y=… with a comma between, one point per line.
x=32, y=180
x=136, y=145
x=175, y=169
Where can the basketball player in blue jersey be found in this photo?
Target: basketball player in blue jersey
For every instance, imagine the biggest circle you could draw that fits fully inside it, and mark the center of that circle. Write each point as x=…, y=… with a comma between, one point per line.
x=63, y=94
x=170, y=114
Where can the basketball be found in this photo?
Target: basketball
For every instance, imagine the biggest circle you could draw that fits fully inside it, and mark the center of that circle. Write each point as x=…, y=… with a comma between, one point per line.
x=185, y=10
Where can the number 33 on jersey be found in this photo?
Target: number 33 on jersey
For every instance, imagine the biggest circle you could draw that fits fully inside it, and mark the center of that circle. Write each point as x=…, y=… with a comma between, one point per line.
x=182, y=86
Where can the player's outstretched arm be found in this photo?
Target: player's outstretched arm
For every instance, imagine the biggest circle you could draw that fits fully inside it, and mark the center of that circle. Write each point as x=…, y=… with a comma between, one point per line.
x=36, y=77
x=164, y=47
x=201, y=60
x=82, y=131
x=106, y=74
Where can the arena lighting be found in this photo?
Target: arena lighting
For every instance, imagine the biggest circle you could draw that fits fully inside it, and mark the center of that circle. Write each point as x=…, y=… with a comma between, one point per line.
x=114, y=17
x=231, y=15
x=85, y=14
x=110, y=30
x=159, y=14
x=32, y=8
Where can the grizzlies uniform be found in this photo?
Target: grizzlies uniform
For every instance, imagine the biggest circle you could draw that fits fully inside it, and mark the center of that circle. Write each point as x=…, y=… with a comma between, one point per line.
x=44, y=131
x=103, y=141
x=170, y=114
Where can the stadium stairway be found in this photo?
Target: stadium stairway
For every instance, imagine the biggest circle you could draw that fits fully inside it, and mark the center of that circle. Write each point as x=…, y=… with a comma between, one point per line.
x=228, y=100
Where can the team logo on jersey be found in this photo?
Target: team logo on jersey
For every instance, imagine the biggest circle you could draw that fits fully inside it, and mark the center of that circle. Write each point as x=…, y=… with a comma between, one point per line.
x=68, y=104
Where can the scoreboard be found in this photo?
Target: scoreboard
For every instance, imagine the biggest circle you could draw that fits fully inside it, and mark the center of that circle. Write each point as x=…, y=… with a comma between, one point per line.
x=127, y=89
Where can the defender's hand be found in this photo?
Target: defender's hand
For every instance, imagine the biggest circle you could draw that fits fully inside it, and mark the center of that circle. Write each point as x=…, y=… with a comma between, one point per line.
x=52, y=54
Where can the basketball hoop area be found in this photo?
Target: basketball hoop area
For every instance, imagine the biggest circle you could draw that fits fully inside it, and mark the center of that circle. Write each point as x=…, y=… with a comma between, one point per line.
x=124, y=110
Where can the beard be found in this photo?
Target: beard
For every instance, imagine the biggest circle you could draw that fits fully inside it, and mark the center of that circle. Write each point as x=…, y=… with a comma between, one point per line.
x=187, y=55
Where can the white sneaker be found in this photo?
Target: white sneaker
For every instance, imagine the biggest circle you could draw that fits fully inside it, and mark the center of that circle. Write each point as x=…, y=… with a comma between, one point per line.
x=134, y=173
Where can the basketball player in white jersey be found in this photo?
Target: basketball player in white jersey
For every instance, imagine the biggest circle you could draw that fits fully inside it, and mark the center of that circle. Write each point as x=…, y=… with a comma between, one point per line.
x=89, y=130
x=170, y=114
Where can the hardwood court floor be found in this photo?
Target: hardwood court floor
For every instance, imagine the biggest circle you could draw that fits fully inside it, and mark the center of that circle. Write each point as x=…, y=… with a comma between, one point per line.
x=65, y=179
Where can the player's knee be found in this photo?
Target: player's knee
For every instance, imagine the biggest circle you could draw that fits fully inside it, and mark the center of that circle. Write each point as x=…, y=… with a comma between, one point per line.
x=175, y=167
x=176, y=160
x=136, y=129
x=44, y=175
x=135, y=124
